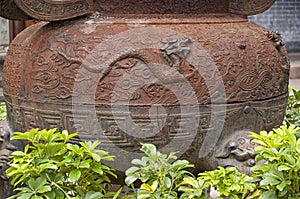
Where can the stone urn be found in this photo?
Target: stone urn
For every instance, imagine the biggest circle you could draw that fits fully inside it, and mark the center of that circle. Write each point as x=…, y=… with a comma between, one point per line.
x=192, y=76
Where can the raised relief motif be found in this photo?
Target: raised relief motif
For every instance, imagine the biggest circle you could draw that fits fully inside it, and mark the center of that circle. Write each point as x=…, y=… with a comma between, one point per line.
x=276, y=38
x=239, y=148
x=53, y=75
x=246, y=76
x=15, y=56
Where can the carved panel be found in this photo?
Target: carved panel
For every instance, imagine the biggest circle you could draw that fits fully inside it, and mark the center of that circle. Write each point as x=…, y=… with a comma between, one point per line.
x=15, y=59
x=53, y=75
x=250, y=66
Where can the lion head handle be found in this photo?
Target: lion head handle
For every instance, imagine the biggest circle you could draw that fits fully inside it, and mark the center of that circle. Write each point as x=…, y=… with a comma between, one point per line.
x=55, y=10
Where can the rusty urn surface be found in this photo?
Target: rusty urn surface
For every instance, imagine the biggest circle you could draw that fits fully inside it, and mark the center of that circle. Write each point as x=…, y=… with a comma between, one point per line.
x=193, y=76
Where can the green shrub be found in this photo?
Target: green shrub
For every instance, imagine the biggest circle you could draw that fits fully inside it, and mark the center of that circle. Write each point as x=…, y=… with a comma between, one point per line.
x=2, y=111
x=228, y=182
x=279, y=175
x=292, y=115
x=160, y=176
x=162, y=179
x=52, y=167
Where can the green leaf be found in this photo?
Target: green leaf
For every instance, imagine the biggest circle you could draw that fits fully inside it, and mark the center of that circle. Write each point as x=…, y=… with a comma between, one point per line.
x=191, y=181
x=75, y=175
x=143, y=194
x=154, y=185
x=167, y=182
x=117, y=194
x=44, y=189
x=36, y=197
x=282, y=185
x=51, y=194
x=131, y=170
x=269, y=194
x=25, y=196
x=149, y=149
x=290, y=159
x=284, y=168
x=130, y=179
x=139, y=162
x=35, y=184
x=93, y=195
x=269, y=180
x=85, y=164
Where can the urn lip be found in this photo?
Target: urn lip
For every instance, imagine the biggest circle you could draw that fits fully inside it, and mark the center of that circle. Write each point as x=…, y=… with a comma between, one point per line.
x=57, y=10
x=140, y=19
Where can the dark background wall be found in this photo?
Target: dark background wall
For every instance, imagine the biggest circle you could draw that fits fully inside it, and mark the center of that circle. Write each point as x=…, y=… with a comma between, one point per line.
x=283, y=17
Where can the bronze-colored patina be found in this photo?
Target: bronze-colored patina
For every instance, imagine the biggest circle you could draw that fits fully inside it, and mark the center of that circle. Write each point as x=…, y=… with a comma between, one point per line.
x=186, y=75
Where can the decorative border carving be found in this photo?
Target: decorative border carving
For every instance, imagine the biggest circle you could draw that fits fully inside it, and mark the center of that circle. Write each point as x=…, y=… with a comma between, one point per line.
x=53, y=10
x=249, y=7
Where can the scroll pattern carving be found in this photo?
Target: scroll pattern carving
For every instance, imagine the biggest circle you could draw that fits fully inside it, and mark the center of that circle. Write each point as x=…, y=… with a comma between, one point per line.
x=249, y=64
x=53, y=10
x=46, y=79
